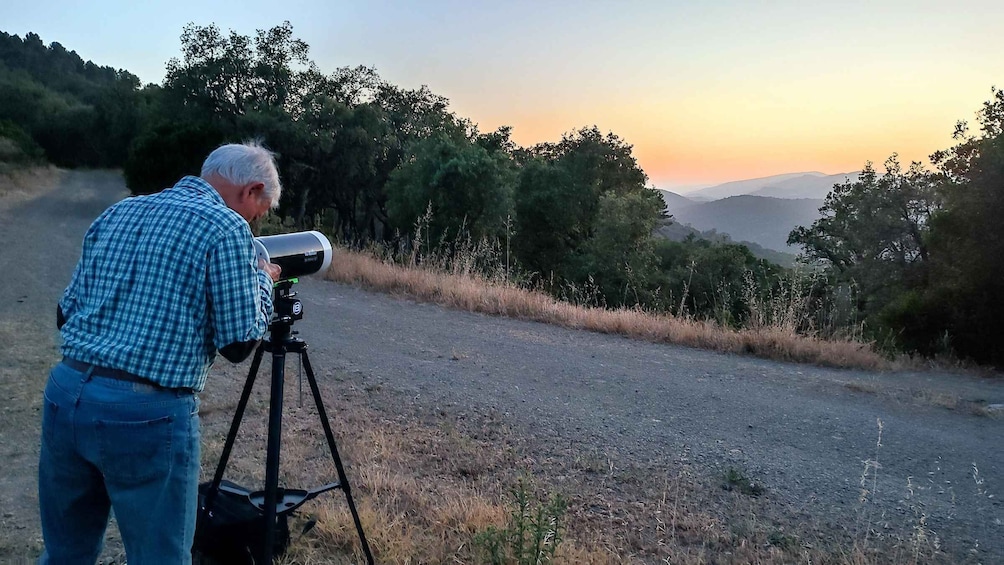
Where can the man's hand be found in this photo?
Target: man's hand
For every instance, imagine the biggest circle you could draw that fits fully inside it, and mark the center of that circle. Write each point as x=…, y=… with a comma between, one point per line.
x=273, y=270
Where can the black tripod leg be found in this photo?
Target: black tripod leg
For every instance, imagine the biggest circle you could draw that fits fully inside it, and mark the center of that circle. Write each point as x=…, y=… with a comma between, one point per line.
x=342, y=480
x=232, y=435
x=273, y=449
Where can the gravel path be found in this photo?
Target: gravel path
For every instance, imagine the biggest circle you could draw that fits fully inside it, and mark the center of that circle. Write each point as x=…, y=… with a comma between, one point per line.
x=806, y=433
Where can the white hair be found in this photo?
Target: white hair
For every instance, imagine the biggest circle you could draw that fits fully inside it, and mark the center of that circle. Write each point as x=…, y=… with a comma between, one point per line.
x=243, y=163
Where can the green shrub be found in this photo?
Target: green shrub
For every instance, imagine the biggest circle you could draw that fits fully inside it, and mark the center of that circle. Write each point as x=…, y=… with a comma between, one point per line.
x=530, y=537
x=16, y=146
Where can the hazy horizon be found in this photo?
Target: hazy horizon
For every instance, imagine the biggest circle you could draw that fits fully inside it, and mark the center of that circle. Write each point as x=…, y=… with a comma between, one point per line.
x=686, y=189
x=706, y=94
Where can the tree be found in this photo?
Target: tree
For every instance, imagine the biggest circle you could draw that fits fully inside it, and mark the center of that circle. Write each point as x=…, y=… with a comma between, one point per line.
x=547, y=225
x=873, y=234
x=81, y=114
x=167, y=152
x=224, y=88
x=336, y=164
x=235, y=74
x=967, y=243
x=619, y=256
x=338, y=137
x=563, y=190
x=710, y=280
x=465, y=187
x=16, y=146
x=925, y=249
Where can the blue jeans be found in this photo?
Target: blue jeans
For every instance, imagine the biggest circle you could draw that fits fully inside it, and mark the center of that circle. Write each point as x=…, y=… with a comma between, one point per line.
x=110, y=444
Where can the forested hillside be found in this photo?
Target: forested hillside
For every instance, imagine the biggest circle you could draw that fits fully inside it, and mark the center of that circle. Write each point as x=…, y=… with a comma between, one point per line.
x=760, y=219
x=923, y=251
x=906, y=258
x=54, y=103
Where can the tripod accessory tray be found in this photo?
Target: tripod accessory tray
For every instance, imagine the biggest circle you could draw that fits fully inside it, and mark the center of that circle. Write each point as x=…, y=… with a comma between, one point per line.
x=232, y=529
x=289, y=499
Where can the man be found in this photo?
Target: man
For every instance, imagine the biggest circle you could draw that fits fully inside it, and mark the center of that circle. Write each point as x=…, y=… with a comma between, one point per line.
x=164, y=282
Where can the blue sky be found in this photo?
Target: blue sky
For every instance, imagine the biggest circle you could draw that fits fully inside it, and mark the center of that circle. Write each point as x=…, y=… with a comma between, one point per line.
x=706, y=92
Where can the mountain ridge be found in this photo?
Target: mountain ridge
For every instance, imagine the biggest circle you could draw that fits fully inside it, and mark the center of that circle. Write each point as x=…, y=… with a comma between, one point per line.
x=763, y=220
x=806, y=186
x=810, y=184
x=744, y=186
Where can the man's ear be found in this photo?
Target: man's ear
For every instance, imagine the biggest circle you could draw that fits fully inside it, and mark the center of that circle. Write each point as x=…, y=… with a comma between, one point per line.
x=253, y=191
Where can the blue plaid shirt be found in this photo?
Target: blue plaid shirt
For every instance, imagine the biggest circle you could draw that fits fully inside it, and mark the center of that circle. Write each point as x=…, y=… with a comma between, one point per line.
x=164, y=281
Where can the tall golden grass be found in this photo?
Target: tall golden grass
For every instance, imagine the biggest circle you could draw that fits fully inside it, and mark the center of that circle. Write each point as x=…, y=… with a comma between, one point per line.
x=469, y=291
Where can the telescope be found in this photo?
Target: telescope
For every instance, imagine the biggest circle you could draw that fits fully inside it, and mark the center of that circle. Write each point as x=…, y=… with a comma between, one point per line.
x=236, y=524
x=298, y=254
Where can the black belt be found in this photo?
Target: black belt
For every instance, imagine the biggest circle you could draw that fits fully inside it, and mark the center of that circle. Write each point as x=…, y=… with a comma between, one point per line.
x=117, y=374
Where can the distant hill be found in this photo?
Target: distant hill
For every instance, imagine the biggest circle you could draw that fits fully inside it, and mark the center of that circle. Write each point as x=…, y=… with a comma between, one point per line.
x=805, y=186
x=674, y=200
x=762, y=220
x=791, y=185
x=675, y=231
x=740, y=187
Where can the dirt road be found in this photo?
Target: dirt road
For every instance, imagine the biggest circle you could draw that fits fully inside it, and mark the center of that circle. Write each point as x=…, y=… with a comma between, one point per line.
x=816, y=439
x=809, y=435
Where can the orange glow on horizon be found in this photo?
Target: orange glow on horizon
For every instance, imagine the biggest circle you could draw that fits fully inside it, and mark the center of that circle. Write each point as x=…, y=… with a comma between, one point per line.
x=690, y=160
x=692, y=141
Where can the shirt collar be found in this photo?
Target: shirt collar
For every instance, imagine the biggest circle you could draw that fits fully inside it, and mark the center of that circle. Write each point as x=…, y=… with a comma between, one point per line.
x=200, y=187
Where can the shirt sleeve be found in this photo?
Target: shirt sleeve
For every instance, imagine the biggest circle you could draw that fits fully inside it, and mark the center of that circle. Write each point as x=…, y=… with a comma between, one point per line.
x=239, y=293
x=68, y=302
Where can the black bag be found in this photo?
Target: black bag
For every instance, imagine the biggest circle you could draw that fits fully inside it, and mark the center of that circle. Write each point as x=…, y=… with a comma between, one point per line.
x=233, y=531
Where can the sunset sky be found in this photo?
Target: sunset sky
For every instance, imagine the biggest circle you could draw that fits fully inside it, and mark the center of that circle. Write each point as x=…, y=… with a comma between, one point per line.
x=706, y=92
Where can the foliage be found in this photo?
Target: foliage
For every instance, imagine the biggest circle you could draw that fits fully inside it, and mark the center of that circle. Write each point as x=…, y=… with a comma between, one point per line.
x=224, y=88
x=167, y=152
x=235, y=74
x=583, y=213
x=736, y=479
x=873, y=234
x=923, y=250
x=80, y=114
x=532, y=535
x=964, y=295
x=332, y=159
x=338, y=137
x=619, y=256
x=712, y=281
x=464, y=187
x=16, y=146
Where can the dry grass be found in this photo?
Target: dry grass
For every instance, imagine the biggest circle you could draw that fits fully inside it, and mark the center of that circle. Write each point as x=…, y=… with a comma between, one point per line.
x=475, y=294
x=18, y=184
x=27, y=353
x=989, y=410
x=422, y=490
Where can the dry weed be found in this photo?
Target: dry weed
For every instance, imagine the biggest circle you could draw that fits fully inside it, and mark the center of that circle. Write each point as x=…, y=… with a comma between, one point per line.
x=19, y=184
x=467, y=291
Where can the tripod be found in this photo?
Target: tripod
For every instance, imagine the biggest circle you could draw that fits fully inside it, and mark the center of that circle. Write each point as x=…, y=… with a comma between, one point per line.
x=274, y=501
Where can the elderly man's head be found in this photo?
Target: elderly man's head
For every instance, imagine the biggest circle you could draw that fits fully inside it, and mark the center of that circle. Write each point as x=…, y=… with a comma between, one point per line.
x=245, y=175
